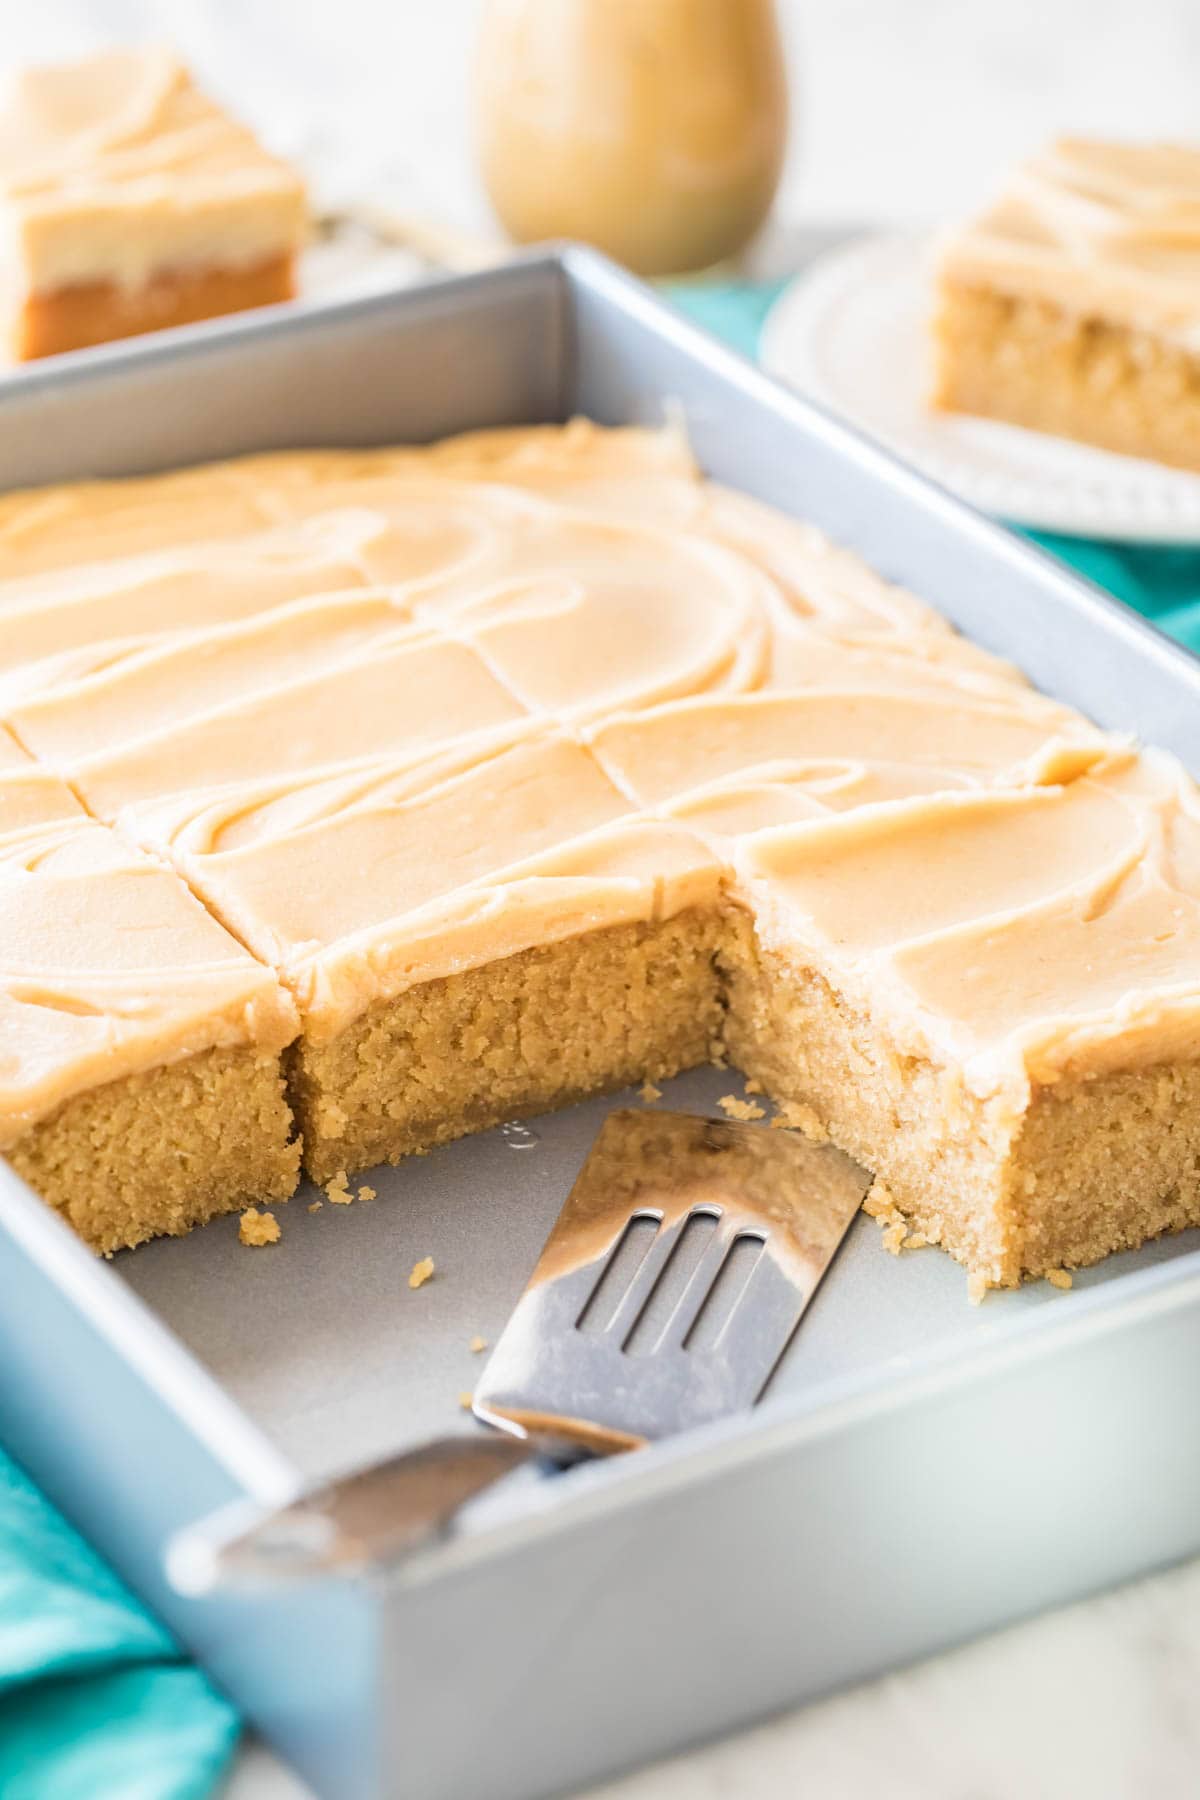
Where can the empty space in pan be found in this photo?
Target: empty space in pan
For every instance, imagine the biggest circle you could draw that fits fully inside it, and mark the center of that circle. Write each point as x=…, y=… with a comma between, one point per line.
x=323, y=1343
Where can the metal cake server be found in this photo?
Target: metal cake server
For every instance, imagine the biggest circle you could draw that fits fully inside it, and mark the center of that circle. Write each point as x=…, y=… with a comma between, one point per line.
x=666, y=1294
x=672, y=1283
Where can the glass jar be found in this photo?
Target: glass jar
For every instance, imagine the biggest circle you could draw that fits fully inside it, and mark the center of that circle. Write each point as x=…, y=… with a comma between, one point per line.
x=653, y=129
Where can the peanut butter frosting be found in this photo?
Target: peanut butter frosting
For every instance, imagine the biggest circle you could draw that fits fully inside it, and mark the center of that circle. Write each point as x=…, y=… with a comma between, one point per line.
x=30, y=794
x=116, y=167
x=433, y=707
x=1027, y=934
x=1096, y=228
x=110, y=967
x=359, y=887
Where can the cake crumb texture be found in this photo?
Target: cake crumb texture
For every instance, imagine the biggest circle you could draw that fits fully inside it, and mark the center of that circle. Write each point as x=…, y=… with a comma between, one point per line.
x=258, y=1227
x=1028, y=362
x=794, y=1115
x=421, y=1272
x=157, y=1153
x=522, y=1035
x=733, y=1108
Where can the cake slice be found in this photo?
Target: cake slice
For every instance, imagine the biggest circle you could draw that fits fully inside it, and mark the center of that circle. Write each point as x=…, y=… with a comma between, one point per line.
x=491, y=933
x=991, y=999
x=141, y=1087
x=1072, y=304
x=130, y=202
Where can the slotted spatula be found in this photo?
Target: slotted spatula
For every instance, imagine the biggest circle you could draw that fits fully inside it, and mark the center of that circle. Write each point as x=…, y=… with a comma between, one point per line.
x=672, y=1283
x=666, y=1294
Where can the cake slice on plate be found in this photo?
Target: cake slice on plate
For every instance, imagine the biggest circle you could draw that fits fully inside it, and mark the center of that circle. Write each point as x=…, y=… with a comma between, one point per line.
x=129, y=201
x=1072, y=304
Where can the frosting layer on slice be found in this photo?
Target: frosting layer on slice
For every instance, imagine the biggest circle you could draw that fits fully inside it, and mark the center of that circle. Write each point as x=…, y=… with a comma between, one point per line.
x=116, y=166
x=1097, y=228
x=359, y=886
x=109, y=967
x=1018, y=936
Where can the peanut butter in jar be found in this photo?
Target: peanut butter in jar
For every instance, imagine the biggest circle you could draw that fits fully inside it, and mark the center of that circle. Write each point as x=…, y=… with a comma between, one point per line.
x=653, y=129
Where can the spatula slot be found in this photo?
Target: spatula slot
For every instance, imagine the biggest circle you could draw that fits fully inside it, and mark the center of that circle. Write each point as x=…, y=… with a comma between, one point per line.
x=730, y=1283
x=673, y=1278
x=619, y=1272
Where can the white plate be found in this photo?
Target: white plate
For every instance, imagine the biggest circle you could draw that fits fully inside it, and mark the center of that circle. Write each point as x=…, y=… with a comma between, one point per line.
x=849, y=332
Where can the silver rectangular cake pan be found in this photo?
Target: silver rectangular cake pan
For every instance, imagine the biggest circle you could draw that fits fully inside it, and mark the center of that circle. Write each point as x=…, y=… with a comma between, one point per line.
x=921, y=1470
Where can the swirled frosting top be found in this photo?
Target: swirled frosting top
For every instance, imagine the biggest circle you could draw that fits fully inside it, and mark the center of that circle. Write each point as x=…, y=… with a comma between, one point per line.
x=392, y=714
x=116, y=166
x=1097, y=228
x=109, y=967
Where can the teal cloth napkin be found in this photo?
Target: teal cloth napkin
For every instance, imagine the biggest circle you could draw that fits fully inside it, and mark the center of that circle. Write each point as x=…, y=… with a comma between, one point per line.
x=96, y=1702
x=1160, y=581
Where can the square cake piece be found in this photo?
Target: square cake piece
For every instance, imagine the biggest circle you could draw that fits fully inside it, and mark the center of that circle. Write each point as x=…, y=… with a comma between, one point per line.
x=468, y=939
x=130, y=202
x=1072, y=304
x=991, y=999
x=141, y=1088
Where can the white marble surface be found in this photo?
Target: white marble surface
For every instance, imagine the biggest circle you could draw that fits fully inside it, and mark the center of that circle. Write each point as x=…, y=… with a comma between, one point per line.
x=905, y=110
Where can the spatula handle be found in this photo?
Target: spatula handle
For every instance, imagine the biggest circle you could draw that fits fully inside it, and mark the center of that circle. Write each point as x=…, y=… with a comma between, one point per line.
x=372, y=1517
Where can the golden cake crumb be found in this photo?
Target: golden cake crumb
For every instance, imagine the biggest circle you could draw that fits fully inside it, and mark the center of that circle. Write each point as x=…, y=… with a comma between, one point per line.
x=366, y=1193
x=316, y=1206
x=1059, y=1278
x=794, y=1115
x=649, y=1092
x=466, y=1400
x=258, y=1227
x=733, y=1108
x=753, y=1087
x=338, y=1189
x=880, y=1205
x=478, y=1344
x=421, y=1272
x=977, y=1286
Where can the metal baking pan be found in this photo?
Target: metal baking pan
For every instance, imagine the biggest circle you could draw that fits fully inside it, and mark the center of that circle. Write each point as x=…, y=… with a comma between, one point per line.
x=920, y=1471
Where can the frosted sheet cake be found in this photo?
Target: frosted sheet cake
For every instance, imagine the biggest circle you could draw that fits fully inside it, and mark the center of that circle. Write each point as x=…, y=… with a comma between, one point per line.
x=532, y=764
